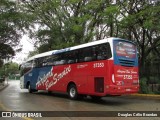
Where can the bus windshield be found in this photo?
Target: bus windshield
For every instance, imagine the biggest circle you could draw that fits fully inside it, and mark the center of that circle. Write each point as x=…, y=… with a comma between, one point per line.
x=125, y=49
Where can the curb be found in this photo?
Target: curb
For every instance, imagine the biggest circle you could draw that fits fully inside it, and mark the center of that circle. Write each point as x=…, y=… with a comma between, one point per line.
x=152, y=96
x=3, y=87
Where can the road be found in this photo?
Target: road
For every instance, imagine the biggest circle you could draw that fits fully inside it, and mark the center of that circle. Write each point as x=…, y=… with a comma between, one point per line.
x=13, y=98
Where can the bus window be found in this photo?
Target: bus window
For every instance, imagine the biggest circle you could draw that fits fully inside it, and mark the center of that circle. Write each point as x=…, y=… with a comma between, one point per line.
x=26, y=67
x=39, y=62
x=85, y=54
x=70, y=57
x=57, y=59
x=102, y=52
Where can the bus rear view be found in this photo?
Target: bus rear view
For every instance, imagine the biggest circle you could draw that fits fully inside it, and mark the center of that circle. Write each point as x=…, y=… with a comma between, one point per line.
x=125, y=78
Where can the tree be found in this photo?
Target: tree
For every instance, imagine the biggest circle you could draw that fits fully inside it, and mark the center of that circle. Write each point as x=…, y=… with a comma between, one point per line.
x=70, y=22
x=9, y=69
x=10, y=28
x=32, y=53
x=141, y=23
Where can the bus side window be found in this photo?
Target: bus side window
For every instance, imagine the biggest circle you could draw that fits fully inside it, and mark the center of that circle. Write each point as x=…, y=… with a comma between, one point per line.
x=103, y=51
x=34, y=63
x=39, y=62
x=26, y=67
x=69, y=57
x=109, y=54
x=73, y=56
x=85, y=54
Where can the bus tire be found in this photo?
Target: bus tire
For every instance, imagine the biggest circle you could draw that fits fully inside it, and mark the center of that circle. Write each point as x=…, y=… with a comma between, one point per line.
x=72, y=92
x=29, y=88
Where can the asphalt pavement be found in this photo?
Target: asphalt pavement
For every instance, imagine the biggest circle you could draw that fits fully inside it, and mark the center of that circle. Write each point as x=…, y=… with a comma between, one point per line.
x=151, y=96
x=12, y=99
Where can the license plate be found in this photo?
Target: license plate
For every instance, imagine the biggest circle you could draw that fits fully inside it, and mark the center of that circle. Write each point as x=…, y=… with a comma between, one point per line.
x=128, y=89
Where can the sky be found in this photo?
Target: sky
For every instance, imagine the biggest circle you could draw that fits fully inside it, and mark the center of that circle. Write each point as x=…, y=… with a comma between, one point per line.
x=26, y=47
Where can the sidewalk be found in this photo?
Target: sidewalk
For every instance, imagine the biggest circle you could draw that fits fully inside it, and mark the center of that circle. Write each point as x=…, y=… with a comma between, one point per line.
x=3, y=85
x=146, y=95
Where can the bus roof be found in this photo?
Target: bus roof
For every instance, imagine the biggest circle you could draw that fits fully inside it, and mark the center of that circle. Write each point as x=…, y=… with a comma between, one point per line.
x=41, y=55
x=86, y=45
x=73, y=48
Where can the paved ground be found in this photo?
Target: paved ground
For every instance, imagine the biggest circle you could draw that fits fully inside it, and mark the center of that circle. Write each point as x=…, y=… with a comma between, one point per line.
x=148, y=96
x=145, y=96
x=12, y=98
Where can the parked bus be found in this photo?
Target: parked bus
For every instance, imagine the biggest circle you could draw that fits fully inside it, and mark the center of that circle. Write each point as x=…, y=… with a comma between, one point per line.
x=99, y=68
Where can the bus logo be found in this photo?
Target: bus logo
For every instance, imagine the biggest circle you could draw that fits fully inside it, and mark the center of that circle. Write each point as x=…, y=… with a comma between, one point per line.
x=51, y=79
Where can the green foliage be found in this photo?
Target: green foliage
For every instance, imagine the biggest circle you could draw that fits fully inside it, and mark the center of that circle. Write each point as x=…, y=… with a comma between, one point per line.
x=143, y=86
x=32, y=53
x=67, y=22
x=6, y=51
x=9, y=69
x=11, y=24
x=9, y=20
x=1, y=63
x=72, y=22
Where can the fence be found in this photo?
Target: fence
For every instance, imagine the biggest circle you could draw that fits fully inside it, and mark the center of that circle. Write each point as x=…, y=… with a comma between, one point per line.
x=150, y=73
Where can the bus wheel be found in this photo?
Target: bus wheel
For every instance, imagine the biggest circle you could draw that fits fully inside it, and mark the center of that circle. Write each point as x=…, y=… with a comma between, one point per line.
x=29, y=89
x=72, y=92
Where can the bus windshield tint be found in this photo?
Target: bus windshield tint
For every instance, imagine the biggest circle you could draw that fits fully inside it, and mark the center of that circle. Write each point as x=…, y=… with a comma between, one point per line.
x=125, y=49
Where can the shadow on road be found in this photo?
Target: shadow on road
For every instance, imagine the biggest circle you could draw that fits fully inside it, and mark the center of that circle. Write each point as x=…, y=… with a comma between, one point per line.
x=108, y=101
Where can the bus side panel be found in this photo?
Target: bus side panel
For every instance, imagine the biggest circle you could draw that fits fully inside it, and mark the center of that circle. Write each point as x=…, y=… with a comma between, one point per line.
x=98, y=79
x=79, y=76
x=35, y=77
x=54, y=78
x=41, y=77
x=86, y=75
x=30, y=78
x=60, y=77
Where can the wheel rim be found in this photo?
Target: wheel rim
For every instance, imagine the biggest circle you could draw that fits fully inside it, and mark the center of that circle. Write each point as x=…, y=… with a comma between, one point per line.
x=72, y=92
